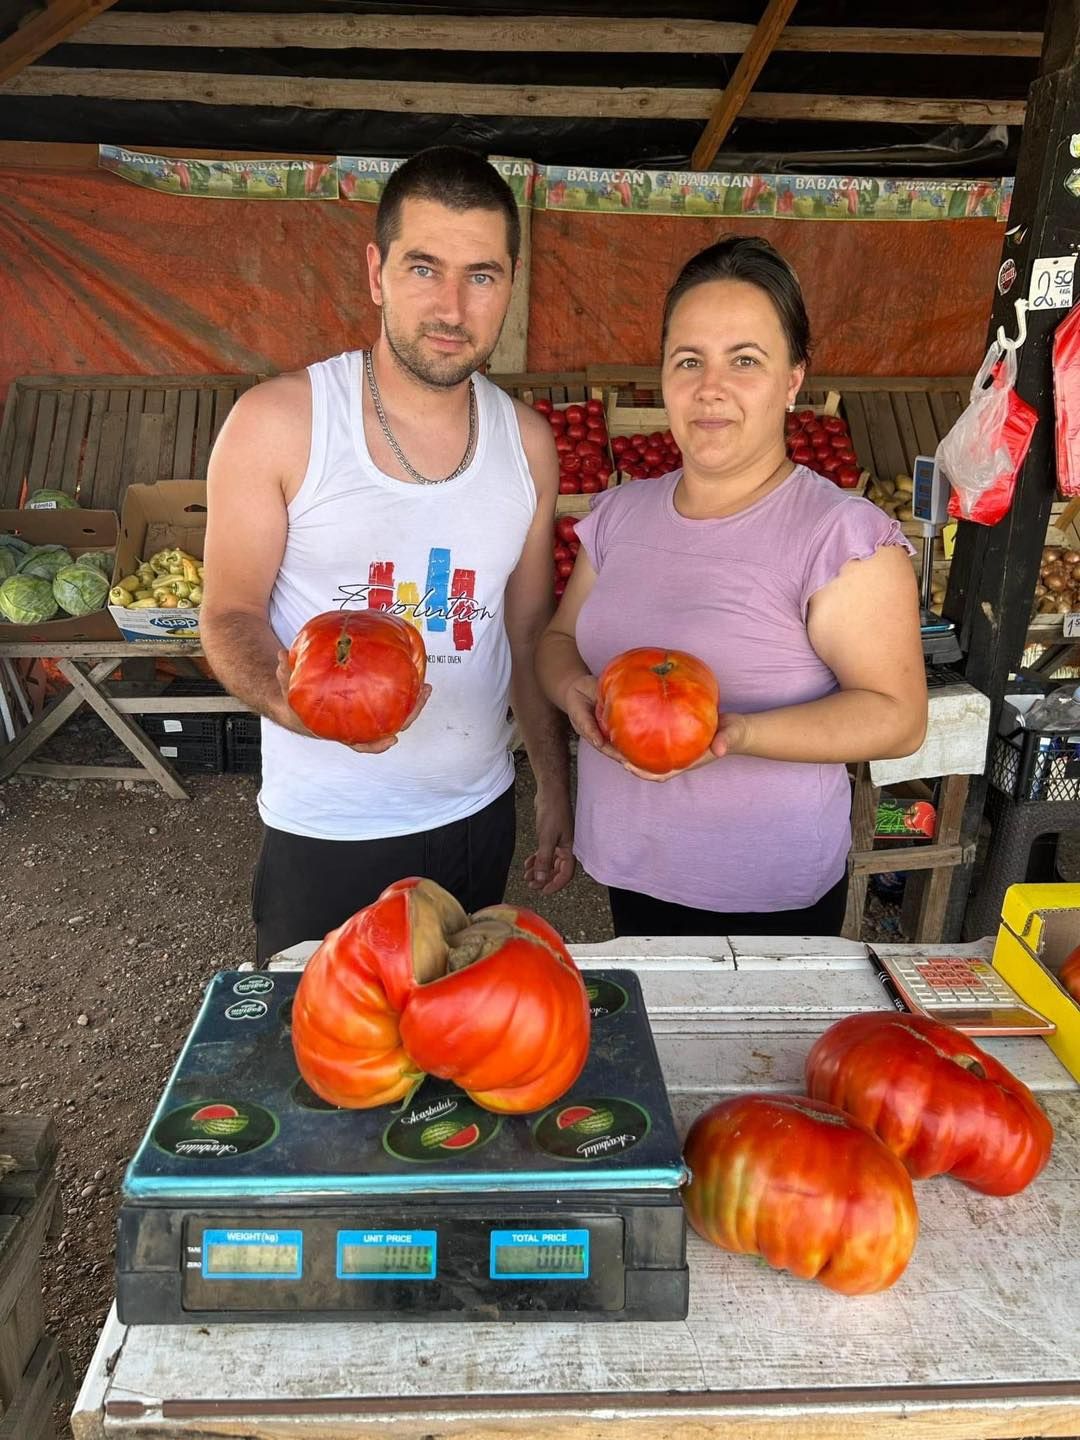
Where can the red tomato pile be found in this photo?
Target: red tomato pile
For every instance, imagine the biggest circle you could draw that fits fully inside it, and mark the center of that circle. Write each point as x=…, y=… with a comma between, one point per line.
x=581, y=439
x=822, y=442
x=642, y=457
x=566, y=547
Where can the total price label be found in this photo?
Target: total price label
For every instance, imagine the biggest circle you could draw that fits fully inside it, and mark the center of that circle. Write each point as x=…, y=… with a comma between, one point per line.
x=1071, y=626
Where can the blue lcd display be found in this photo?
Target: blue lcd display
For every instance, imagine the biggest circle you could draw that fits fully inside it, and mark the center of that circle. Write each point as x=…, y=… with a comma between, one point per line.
x=539, y=1255
x=252, y=1254
x=387, y=1254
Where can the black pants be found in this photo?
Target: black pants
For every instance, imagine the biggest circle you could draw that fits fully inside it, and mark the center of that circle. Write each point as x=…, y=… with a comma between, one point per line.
x=634, y=914
x=304, y=888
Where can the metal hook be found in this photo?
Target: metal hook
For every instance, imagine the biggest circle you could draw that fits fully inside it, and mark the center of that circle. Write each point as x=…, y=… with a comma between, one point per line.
x=1021, y=329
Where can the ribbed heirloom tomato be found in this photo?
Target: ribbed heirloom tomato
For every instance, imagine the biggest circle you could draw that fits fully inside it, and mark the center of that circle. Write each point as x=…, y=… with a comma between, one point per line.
x=938, y=1101
x=412, y=985
x=658, y=708
x=804, y=1186
x=356, y=674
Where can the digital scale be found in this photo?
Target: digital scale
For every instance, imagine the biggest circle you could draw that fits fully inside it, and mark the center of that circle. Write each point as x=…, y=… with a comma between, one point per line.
x=251, y=1199
x=930, y=506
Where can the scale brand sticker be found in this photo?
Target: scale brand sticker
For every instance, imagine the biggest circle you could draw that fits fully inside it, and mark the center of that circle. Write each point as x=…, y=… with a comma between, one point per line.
x=439, y=1129
x=215, y=1130
x=605, y=998
x=246, y=1010
x=253, y=985
x=1006, y=277
x=592, y=1129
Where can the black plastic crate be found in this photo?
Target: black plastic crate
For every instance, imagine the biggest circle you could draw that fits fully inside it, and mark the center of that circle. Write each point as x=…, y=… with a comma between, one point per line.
x=193, y=752
x=243, y=744
x=1034, y=765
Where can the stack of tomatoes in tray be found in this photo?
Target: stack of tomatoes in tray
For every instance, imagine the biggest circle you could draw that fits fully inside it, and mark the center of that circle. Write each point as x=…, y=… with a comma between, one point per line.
x=823, y=443
x=641, y=457
x=566, y=547
x=581, y=439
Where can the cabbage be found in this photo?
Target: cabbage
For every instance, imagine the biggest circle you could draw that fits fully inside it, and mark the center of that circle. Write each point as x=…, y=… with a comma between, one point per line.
x=80, y=589
x=51, y=500
x=100, y=559
x=43, y=561
x=27, y=600
x=8, y=564
x=15, y=544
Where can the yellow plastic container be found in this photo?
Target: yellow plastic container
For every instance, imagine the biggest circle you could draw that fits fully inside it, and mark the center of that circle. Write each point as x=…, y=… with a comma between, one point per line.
x=1040, y=926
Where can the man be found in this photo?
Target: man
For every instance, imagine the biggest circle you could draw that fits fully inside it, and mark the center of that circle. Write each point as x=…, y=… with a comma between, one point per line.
x=399, y=479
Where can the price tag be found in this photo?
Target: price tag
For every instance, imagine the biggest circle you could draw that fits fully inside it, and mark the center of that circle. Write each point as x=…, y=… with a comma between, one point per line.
x=948, y=539
x=1052, y=283
x=1071, y=627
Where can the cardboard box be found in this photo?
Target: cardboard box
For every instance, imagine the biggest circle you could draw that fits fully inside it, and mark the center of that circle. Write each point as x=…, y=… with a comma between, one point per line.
x=1040, y=925
x=157, y=517
x=79, y=531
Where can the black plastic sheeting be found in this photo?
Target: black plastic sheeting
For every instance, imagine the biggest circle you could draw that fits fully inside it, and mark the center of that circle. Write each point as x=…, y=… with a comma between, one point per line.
x=780, y=145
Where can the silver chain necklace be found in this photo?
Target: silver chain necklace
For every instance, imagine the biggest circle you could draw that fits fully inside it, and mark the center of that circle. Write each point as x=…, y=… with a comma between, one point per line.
x=376, y=400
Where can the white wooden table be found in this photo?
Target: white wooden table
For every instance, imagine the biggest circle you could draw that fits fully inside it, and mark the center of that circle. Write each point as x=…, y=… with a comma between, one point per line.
x=979, y=1338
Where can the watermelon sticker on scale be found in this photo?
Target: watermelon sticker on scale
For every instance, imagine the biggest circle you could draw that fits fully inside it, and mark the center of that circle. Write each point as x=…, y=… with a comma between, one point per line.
x=439, y=1129
x=592, y=1129
x=215, y=1130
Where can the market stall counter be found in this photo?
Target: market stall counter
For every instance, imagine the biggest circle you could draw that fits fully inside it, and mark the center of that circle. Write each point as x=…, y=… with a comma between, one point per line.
x=980, y=1336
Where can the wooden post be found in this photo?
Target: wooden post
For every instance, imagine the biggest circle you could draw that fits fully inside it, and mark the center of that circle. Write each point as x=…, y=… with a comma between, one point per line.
x=510, y=354
x=994, y=569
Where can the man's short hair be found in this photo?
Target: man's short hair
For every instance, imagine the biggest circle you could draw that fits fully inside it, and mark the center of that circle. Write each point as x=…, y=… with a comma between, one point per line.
x=452, y=177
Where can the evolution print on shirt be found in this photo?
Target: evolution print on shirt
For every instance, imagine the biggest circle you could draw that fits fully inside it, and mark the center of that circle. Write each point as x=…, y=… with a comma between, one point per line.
x=447, y=598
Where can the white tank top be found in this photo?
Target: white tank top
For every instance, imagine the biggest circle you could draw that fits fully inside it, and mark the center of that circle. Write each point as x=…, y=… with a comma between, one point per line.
x=439, y=556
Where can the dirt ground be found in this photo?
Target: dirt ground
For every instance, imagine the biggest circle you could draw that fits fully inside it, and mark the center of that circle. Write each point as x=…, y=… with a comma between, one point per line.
x=119, y=906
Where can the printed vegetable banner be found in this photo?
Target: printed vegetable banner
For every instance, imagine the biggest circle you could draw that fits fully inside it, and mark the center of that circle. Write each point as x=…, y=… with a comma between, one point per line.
x=238, y=179
x=586, y=188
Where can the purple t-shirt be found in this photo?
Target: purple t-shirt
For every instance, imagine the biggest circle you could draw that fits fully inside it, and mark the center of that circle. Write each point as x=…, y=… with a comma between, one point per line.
x=741, y=834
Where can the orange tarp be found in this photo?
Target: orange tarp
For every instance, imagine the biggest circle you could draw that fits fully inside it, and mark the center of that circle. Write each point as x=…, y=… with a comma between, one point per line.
x=98, y=276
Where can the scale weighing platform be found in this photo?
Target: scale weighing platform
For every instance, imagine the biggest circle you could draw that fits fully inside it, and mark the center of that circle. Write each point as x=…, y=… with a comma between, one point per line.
x=251, y=1199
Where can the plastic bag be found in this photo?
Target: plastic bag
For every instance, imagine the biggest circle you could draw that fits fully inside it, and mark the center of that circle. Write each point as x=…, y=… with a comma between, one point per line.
x=982, y=453
x=1067, y=402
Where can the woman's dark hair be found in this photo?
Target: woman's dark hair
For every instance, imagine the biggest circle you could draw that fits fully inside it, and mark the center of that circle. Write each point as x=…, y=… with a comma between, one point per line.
x=752, y=259
x=452, y=177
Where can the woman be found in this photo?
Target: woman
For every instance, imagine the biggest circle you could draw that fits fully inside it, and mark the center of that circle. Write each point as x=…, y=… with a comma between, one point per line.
x=800, y=597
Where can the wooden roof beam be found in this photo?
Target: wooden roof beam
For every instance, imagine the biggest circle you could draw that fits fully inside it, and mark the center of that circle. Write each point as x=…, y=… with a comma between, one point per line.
x=568, y=35
x=751, y=63
x=55, y=22
x=546, y=101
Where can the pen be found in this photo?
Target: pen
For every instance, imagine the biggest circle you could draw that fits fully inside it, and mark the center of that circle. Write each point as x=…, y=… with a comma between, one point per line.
x=886, y=979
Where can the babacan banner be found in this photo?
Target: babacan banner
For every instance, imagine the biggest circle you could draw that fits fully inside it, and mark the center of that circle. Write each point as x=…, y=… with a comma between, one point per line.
x=584, y=188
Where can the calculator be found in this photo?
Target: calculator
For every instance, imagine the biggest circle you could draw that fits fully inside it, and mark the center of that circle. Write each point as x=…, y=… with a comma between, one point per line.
x=963, y=991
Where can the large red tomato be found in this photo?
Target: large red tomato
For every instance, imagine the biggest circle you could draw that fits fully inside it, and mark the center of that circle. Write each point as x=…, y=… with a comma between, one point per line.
x=356, y=674
x=658, y=708
x=804, y=1186
x=942, y=1104
x=1069, y=974
x=412, y=985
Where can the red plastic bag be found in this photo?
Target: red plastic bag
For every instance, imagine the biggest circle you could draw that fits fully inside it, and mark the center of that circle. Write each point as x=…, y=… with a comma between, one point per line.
x=1067, y=402
x=982, y=453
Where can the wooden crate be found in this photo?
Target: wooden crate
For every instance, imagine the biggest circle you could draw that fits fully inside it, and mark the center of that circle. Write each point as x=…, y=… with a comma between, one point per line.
x=560, y=387
x=34, y=1374
x=92, y=436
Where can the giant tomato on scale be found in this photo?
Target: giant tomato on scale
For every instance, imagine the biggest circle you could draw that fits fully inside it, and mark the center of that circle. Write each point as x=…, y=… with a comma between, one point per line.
x=355, y=675
x=658, y=708
x=939, y=1102
x=412, y=985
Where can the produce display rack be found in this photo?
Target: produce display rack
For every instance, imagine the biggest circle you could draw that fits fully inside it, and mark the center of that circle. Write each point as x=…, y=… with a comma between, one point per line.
x=34, y=1373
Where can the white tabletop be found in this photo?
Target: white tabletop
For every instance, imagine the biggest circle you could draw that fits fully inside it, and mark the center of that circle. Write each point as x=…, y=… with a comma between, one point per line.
x=979, y=1337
